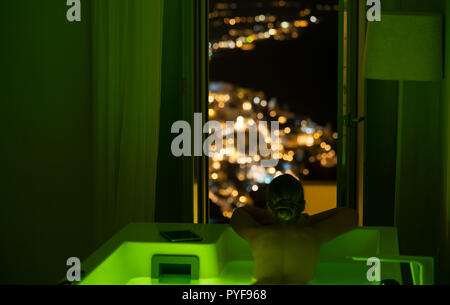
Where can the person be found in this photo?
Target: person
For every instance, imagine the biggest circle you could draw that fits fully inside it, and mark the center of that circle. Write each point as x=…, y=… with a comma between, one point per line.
x=285, y=242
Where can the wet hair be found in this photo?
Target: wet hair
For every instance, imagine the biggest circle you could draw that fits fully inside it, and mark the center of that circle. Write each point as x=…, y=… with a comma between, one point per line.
x=286, y=198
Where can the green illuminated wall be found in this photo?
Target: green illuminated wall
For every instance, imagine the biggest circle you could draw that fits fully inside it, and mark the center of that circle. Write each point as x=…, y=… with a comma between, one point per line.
x=421, y=216
x=422, y=183
x=45, y=140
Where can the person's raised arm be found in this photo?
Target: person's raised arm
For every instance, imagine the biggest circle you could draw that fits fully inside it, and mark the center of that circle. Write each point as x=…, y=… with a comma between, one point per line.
x=331, y=224
x=243, y=222
x=311, y=220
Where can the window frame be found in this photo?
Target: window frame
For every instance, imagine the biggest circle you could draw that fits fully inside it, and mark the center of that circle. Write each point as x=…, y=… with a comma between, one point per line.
x=350, y=104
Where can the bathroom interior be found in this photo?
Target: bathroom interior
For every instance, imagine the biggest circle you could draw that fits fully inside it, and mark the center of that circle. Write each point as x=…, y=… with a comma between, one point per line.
x=88, y=105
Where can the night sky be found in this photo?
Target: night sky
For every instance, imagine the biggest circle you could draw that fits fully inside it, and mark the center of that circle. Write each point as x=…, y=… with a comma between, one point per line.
x=301, y=73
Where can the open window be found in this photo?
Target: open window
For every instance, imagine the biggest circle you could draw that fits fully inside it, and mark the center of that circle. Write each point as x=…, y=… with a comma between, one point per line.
x=244, y=61
x=286, y=61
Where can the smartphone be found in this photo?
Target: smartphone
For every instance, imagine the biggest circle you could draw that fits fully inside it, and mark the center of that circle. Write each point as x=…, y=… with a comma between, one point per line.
x=181, y=236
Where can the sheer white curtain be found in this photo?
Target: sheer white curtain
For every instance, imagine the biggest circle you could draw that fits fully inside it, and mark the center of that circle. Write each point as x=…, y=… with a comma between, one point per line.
x=127, y=57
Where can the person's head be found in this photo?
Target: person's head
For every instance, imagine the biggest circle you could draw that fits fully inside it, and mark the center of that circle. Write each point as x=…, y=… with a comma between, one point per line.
x=286, y=198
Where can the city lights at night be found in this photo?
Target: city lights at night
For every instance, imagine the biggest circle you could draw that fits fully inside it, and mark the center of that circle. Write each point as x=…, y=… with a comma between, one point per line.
x=231, y=30
x=307, y=150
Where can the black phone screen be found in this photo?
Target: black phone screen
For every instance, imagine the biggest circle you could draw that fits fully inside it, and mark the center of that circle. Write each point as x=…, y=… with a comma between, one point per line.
x=178, y=236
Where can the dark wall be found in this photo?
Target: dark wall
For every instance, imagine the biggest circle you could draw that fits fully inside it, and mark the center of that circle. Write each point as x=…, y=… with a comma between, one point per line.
x=380, y=152
x=45, y=140
x=444, y=276
x=419, y=211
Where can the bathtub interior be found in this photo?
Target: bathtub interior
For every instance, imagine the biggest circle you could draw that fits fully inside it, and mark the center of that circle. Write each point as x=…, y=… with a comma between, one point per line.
x=225, y=259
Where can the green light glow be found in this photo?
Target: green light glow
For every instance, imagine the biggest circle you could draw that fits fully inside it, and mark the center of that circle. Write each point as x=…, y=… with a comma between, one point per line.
x=225, y=259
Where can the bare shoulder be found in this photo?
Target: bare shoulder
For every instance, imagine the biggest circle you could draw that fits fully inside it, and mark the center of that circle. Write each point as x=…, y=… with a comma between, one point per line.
x=338, y=223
